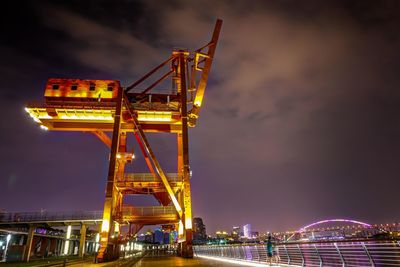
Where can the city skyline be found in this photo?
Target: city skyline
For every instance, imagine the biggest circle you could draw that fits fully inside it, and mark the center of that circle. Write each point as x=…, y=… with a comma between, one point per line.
x=300, y=120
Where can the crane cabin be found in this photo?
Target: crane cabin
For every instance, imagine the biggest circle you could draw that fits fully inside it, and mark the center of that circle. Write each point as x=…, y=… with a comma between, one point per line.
x=66, y=90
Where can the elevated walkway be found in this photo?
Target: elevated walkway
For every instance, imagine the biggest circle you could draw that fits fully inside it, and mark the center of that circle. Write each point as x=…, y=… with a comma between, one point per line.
x=149, y=215
x=143, y=183
x=50, y=218
x=130, y=214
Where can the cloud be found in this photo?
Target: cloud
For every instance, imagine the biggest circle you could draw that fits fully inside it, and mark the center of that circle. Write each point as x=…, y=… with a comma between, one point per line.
x=98, y=46
x=290, y=106
x=300, y=117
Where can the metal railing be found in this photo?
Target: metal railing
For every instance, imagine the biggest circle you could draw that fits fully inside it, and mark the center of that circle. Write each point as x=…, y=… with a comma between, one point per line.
x=369, y=253
x=148, y=211
x=45, y=216
x=149, y=177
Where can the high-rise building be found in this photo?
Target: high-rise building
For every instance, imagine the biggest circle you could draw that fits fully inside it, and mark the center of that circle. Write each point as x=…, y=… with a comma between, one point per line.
x=158, y=236
x=247, y=231
x=199, y=231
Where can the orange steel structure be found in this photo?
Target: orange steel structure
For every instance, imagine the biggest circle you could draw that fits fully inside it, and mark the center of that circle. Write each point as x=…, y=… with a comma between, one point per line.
x=99, y=106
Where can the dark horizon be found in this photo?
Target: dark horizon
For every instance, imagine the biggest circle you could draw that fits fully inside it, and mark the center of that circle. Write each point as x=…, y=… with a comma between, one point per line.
x=300, y=122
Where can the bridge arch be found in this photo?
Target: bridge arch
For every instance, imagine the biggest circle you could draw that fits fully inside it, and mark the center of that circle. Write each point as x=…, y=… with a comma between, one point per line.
x=304, y=228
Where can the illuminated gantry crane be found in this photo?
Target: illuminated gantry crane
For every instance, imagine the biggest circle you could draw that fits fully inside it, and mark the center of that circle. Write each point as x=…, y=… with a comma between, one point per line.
x=99, y=106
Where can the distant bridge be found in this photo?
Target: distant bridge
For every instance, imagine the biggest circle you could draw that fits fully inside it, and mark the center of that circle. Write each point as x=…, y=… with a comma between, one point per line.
x=304, y=228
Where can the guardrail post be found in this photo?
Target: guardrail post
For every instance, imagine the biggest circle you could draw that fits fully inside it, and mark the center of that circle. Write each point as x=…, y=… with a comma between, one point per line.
x=258, y=254
x=368, y=254
x=340, y=255
x=242, y=253
x=287, y=254
x=319, y=256
x=301, y=254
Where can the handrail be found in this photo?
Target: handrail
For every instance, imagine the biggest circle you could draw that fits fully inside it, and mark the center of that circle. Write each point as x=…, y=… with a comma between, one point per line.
x=149, y=177
x=148, y=211
x=332, y=254
x=46, y=216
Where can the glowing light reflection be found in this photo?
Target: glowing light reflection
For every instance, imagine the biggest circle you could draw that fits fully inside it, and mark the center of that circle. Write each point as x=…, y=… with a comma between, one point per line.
x=105, y=226
x=244, y=263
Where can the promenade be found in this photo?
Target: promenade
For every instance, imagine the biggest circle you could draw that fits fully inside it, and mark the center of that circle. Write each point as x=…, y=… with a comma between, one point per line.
x=195, y=262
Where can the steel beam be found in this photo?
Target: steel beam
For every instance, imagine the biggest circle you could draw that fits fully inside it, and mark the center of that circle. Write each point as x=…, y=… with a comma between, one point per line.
x=103, y=137
x=208, y=58
x=145, y=145
x=28, y=247
x=82, y=241
x=106, y=249
x=187, y=200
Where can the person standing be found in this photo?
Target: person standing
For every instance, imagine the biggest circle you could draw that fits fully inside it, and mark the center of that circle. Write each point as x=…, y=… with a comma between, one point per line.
x=277, y=258
x=270, y=250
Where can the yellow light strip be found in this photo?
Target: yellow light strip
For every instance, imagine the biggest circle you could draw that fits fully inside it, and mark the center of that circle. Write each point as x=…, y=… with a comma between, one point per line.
x=154, y=116
x=180, y=228
x=74, y=117
x=188, y=223
x=82, y=114
x=95, y=115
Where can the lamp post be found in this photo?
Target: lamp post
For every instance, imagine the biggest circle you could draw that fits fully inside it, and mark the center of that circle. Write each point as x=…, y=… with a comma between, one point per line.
x=1, y=245
x=5, y=251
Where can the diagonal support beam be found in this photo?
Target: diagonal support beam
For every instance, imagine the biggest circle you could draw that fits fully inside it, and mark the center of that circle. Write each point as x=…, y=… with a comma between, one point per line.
x=103, y=137
x=157, y=166
x=130, y=87
x=146, y=156
x=149, y=151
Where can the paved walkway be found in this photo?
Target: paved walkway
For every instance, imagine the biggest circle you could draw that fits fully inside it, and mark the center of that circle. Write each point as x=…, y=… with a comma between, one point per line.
x=148, y=261
x=178, y=262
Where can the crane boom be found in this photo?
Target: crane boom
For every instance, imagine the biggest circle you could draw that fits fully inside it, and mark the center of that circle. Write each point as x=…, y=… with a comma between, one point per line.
x=207, y=58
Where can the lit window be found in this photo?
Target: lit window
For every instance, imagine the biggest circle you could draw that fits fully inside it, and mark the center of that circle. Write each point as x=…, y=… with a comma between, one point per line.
x=56, y=86
x=74, y=87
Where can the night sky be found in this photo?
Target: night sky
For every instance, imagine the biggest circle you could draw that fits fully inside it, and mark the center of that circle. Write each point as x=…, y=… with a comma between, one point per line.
x=300, y=122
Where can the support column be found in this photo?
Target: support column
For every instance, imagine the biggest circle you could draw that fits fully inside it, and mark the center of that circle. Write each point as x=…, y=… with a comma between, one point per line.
x=106, y=250
x=120, y=173
x=82, y=241
x=58, y=247
x=28, y=247
x=187, y=249
x=66, y=248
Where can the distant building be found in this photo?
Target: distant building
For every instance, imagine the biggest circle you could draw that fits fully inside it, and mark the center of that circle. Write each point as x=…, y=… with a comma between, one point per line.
x=255, y=234
x=235, y=233
x=199, y=231
x=167, y=238
x=158, y=236
x=247, y=231
x=222, y=234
